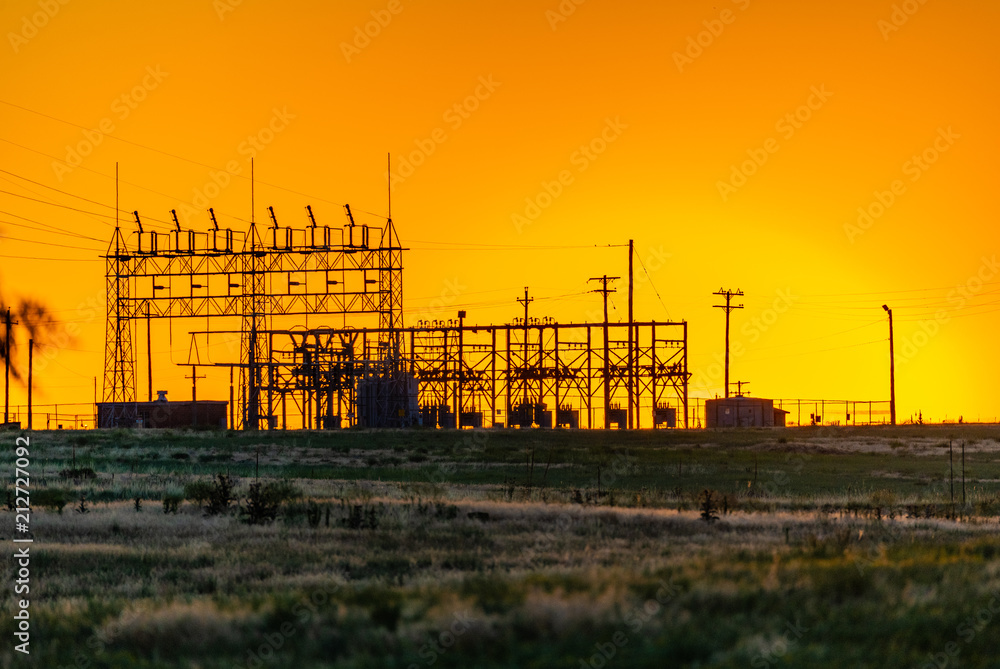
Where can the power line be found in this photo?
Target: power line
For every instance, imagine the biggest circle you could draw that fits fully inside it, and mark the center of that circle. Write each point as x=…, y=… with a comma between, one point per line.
x=53, y=259
x=62, y=206
x=187, y=160
x=54, y=232
x=649, y=276
x=65, y=246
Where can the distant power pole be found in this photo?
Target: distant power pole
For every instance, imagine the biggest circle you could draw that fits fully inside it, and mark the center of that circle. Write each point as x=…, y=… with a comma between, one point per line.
x=728, y=306
x=526, y=301
x=892, y=371
x=6, y=357
x=31, y=371
x=632, y=404
x=194, y=394
x=460, y=370
x=607, y=348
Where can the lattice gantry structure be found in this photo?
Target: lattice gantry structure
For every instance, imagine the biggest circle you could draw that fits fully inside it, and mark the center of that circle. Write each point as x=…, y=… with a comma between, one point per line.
x=252, y=278
x=545, y=374
x=548, y=374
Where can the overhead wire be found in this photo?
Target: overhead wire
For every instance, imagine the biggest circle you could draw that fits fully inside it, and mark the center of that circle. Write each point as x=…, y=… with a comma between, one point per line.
x=46, y=230
x=187, y=160
x=35, y=241
x=650, y=277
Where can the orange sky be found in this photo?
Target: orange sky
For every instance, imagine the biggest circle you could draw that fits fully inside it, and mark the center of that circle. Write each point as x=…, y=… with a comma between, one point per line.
x=673, y=99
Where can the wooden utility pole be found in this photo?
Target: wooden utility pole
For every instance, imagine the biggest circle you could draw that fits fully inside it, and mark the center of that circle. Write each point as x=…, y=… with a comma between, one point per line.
x=31, y=369
x=460, y=371
x=892, y=371
x=194, y=394
x=633, y=409
x=526, y=301
x=605, y=291
x=729, y=307
x=6, y=360
x=149, y=356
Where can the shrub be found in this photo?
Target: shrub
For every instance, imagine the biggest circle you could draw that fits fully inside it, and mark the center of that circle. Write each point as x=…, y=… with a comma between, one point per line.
x=709, y=506
x=362, y=517
x=264, y=500
x=78, y=473
x=199, y=492
x=314, y=514
x=221, y=495
x=50, y=498
x=171, y=503
x=261, y=507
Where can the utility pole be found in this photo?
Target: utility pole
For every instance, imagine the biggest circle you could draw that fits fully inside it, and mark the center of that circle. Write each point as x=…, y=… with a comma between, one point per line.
x=739, y=387
x=632, y=407
x=31, y=368
x=604, y=290
x=6, y=358
x=729, y=307
x=194, y=394
x=892, y=371
x=526, y=301
x=149, y=356
x=461, y=373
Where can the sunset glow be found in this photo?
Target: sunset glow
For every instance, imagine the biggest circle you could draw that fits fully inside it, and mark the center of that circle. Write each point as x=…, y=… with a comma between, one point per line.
x=825, y=159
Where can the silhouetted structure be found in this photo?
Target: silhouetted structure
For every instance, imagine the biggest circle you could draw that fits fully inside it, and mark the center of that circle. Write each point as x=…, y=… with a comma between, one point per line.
x=743, y=412
x=179, y=415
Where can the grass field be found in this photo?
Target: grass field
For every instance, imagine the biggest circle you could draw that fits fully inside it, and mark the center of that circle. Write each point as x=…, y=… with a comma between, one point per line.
x=818, y=547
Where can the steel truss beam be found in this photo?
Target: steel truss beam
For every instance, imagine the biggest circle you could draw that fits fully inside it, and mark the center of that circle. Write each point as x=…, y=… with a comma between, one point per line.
x=486, y=375
x=252, y=278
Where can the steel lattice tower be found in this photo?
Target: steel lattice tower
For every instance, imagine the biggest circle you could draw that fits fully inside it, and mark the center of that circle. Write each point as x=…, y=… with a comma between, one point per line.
x=119, y=357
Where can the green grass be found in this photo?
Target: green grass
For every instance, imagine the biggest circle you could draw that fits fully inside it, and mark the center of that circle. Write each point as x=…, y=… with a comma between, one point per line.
x=836, y=547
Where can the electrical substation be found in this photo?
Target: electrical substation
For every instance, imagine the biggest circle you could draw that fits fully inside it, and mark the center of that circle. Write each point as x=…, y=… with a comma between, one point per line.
x=358, y=364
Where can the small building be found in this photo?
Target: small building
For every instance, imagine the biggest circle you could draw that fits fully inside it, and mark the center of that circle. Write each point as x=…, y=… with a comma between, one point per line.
x=743, y=412
x=164, y=414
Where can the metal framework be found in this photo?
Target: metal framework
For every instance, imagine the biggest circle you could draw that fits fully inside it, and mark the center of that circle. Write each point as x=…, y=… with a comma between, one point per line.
x=252, y=278
x=356, y=363
x=545, y=374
